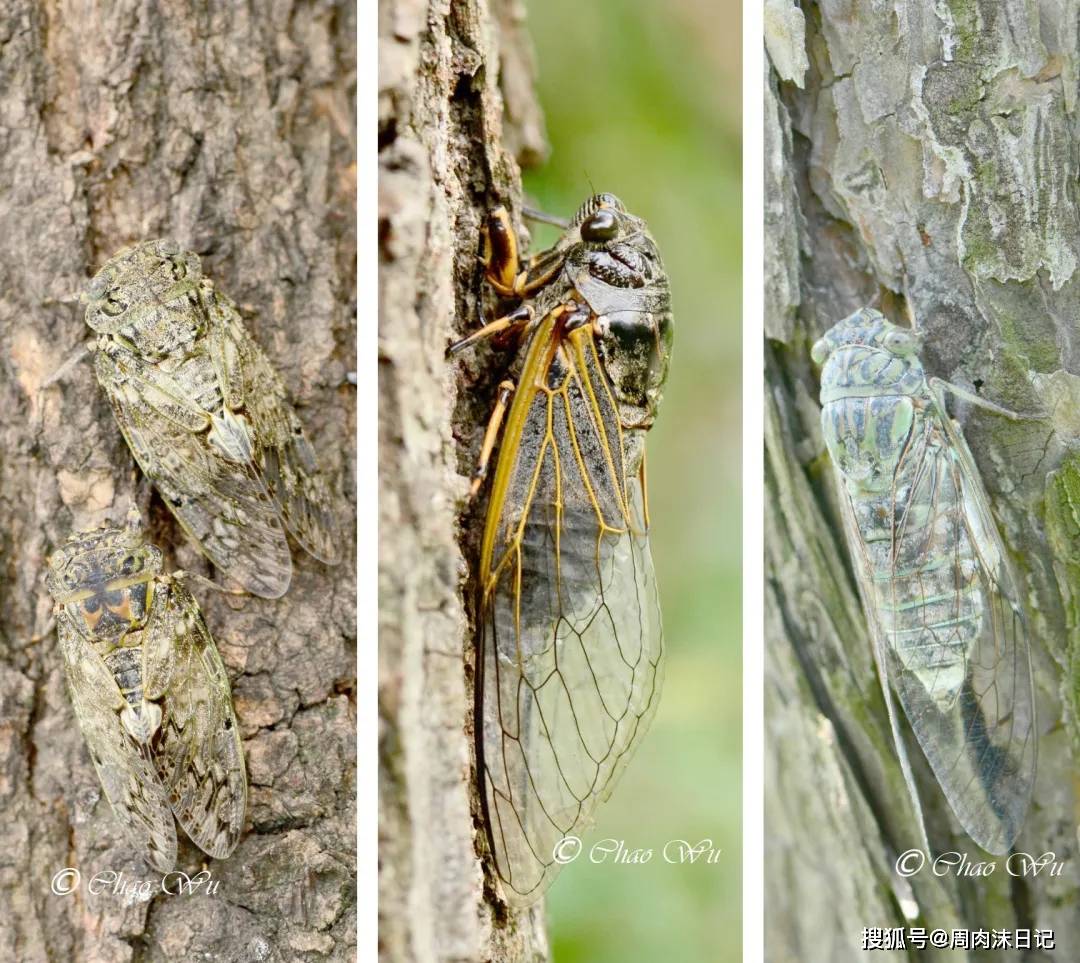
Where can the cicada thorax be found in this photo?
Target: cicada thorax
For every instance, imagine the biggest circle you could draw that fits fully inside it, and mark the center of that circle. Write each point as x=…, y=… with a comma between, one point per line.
x=104, y=582
x=149, y=295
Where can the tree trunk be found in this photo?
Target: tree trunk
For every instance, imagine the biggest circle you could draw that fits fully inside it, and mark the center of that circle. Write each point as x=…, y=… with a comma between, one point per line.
x=932, y=147
x=455, y=109
x=231, y=131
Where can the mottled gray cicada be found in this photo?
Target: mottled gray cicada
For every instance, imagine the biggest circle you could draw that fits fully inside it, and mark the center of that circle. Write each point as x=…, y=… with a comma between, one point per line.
x=943, y=606
x=207, y=417
x=150, y=693
x=569, y=655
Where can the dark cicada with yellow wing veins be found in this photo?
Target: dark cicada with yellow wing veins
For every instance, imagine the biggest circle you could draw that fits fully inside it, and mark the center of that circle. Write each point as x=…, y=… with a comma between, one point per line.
x=569, y=655
x=207, y=417
x=150, y=694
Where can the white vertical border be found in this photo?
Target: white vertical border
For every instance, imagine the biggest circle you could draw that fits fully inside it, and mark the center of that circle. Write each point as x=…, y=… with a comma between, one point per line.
x=367, y=499
x=753, y=598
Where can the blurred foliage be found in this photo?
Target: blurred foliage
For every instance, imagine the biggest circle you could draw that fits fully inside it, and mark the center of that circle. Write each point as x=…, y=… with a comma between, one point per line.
x=643, y=99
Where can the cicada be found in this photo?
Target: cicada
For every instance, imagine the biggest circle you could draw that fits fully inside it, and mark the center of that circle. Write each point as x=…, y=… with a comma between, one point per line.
x=941, y=601
x=568, y=666
x=207, y=417
x=150, y=693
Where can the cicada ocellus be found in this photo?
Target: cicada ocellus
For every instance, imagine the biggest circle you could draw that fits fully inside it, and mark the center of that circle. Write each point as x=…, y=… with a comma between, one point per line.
x=942, y=604
x=150, y=693
x=207, y=417
x=568, y=667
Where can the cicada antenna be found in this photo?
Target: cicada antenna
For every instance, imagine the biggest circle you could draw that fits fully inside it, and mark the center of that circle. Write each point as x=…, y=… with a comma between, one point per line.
x=542, y=217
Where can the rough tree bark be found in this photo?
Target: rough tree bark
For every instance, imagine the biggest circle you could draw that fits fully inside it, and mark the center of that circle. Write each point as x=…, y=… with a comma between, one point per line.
x=456, y=115
x=229, y=127
x=935, y=143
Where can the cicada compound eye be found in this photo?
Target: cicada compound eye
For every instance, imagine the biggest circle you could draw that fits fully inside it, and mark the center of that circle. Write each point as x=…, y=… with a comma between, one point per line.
x=901, y=342
x=98, y=287
x=601, y=226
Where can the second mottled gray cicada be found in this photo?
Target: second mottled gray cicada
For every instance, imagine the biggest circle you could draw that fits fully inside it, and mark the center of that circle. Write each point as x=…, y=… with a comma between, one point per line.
x=150, y=694
x=569, y=660
x=943, y=606
x=207, y=417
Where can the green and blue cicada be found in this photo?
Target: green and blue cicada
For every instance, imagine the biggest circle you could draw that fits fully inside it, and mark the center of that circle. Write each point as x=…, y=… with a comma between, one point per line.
x=150, y=693
x=568, y=667
x=207, y=417
x=943, y=607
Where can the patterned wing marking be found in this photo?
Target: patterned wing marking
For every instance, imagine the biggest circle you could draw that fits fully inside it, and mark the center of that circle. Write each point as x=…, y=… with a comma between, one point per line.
x=571, y=636
x=222, y=504
x=197, y=753
x=287, y=461
x=129, y=780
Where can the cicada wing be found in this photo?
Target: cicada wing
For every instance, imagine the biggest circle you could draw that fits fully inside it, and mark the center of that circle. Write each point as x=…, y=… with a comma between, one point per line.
x=197, y=752
x=221, y=503
x=571, y=640
x=962, y=669
x=286, y=459
x=129, y=780
x=864, y=573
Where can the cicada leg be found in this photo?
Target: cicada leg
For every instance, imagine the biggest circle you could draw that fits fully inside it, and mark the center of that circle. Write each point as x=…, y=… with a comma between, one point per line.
x=517, y=318
x=506, y=389
x=940, y=387
x=502, y=260
x=500, y=253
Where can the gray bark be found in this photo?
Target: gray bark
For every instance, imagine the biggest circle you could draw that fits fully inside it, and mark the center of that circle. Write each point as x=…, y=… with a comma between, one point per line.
x=228, y=127
x=932, y=146
x=455, y=108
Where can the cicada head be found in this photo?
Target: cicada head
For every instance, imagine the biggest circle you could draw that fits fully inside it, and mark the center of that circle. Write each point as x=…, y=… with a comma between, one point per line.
x=144, y=294
x=615, y=267
x=872, y=382
x=867, y=352
x=102, y=577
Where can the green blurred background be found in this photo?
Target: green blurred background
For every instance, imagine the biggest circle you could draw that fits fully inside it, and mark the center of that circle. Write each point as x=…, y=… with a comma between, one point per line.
x=643, y=99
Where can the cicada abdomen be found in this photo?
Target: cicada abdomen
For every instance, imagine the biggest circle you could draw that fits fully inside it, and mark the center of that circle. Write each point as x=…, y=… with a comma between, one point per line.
x=941, y=601
x=150, y=694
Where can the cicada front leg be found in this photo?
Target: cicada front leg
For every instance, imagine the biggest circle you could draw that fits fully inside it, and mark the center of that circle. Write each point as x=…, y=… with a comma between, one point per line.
x=503, y=268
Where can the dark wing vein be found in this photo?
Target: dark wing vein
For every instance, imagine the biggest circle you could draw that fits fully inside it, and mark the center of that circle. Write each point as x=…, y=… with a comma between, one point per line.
x=197, y=753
